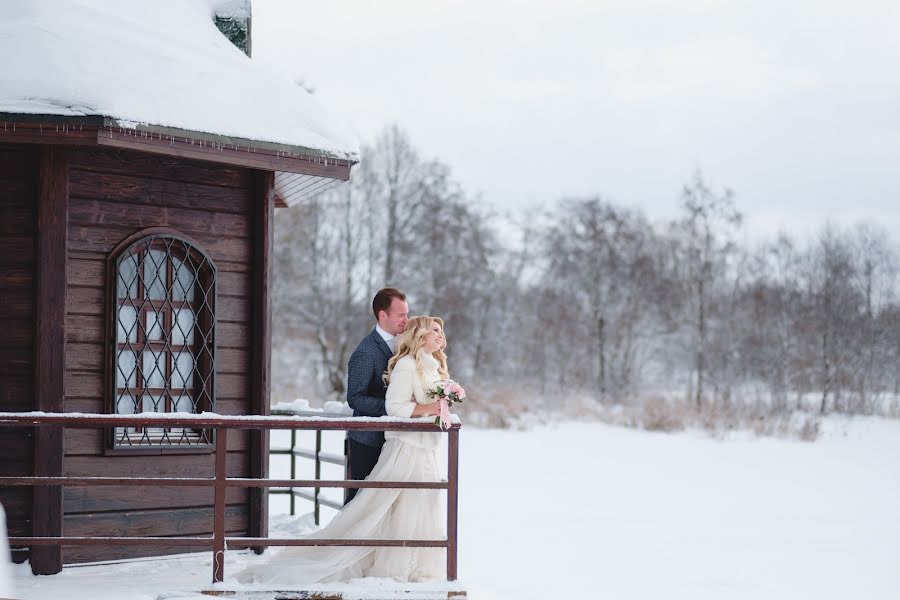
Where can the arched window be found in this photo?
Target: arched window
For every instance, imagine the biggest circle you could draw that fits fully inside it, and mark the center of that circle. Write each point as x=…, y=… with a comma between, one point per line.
x=162, y=335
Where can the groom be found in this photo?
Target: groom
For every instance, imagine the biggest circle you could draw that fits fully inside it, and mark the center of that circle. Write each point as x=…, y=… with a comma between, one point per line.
x=365, y=387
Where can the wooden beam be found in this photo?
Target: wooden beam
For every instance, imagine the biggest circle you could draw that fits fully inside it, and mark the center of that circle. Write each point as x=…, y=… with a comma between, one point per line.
x=261, y=343
x=256, y=159
x=177, y=143
x=49, y=348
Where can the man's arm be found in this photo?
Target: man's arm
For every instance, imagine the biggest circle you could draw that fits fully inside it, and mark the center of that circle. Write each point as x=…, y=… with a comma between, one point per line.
x=359, y=373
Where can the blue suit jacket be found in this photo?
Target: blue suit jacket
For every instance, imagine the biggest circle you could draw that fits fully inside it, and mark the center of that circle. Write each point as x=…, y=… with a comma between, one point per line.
x=365, y=388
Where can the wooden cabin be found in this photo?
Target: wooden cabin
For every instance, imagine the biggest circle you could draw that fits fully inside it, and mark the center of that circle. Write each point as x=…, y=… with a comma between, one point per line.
x=137, y=200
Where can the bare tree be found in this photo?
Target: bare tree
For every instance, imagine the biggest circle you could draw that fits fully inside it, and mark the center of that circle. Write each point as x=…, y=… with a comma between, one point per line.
x=708, y=227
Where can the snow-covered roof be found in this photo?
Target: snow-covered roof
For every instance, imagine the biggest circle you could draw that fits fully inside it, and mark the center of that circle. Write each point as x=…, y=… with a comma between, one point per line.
x=161, y=64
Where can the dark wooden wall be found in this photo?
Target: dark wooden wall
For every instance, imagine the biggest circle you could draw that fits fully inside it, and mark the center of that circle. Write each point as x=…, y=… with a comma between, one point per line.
x=113, y=194
x=18, y=191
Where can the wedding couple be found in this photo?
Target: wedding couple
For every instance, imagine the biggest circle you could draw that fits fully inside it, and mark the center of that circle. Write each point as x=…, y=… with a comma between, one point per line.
x=389, y=373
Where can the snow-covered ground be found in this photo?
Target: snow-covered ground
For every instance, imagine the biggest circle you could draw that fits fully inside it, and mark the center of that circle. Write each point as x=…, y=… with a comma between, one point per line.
x=593, y=511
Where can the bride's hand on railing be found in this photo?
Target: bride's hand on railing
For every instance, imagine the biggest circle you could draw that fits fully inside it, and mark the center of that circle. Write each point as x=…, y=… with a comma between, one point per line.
x=427, y=410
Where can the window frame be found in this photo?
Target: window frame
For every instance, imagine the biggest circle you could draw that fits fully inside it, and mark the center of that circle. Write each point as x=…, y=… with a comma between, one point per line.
x=121, y=251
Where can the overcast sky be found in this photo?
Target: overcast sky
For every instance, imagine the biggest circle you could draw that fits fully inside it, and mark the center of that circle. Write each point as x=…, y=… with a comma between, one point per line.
x=795, y=105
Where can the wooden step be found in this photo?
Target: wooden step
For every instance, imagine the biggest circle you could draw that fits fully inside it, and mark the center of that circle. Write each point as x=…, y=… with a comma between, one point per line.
x=338, y=593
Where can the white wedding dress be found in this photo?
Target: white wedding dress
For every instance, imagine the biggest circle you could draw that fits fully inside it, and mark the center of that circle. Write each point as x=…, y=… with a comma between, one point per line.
x=379, y=513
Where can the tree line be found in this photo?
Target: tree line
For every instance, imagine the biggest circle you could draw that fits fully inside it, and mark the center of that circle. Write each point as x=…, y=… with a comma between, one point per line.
x=587, y=296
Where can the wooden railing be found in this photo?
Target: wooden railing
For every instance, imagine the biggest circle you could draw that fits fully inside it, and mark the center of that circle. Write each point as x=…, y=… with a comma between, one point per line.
x=293, y=452
x=220, y=482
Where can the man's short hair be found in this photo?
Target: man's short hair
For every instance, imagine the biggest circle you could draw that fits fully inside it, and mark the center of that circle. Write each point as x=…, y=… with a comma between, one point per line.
x=384, y=298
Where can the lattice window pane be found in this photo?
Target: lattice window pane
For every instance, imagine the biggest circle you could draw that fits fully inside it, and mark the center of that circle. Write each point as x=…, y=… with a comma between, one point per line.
x=156, y=269
x=125, y=405
x=126, y=369
x=126, y=330
x=154, y=325
x=182, y=370
x=183, y=404
x=183, y=285
x=183, y=327
x=127, y=280
x=153, y=403
x=154, y=367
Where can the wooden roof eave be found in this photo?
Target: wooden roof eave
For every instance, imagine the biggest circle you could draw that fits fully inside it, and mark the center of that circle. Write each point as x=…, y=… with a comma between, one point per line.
x=103, y=131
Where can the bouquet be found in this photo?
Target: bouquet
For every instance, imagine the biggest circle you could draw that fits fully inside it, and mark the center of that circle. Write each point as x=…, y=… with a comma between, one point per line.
x=446, y=391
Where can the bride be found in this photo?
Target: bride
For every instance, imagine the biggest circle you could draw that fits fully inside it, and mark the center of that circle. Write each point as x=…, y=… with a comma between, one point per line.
x=376, y=513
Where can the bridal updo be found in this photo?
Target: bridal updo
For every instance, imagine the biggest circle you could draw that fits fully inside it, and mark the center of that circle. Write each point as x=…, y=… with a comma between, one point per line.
x=412, y=341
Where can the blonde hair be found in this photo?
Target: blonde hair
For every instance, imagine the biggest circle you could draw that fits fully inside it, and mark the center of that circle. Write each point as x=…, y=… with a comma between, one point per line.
x=412, y=341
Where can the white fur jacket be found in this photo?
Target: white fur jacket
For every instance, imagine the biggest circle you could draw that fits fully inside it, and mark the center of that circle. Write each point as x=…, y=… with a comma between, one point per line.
x=405, y=390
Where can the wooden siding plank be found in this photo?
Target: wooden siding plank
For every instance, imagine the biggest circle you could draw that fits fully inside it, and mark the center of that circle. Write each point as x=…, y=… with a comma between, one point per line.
x=17, y=391
x=85, y=329
x=15, y=218
x=232, y=335
x=108, y=160
x=16, y=500
x=232, y=361
x=166, y=521
x=80, y=554
x=233, y=267
x=137, y=190
x=13, y=446
x=86, y=301
x=17, y=193
x=16, y=277
x=17, y=250
x=84, y=357
x=142, y=216
x=187, y=465
x=233, y=284
x=17, y=333
x=17, y=304
x=81, y=272
x=104, y=239
x=111, y=498
x=84, y=385
x=16, y=360
x=17, y=161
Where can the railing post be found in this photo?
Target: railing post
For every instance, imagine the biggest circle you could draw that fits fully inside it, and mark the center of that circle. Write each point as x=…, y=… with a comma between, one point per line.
x=293, y=469
x=318, y=474
x=219, y=510
x=452, y=500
